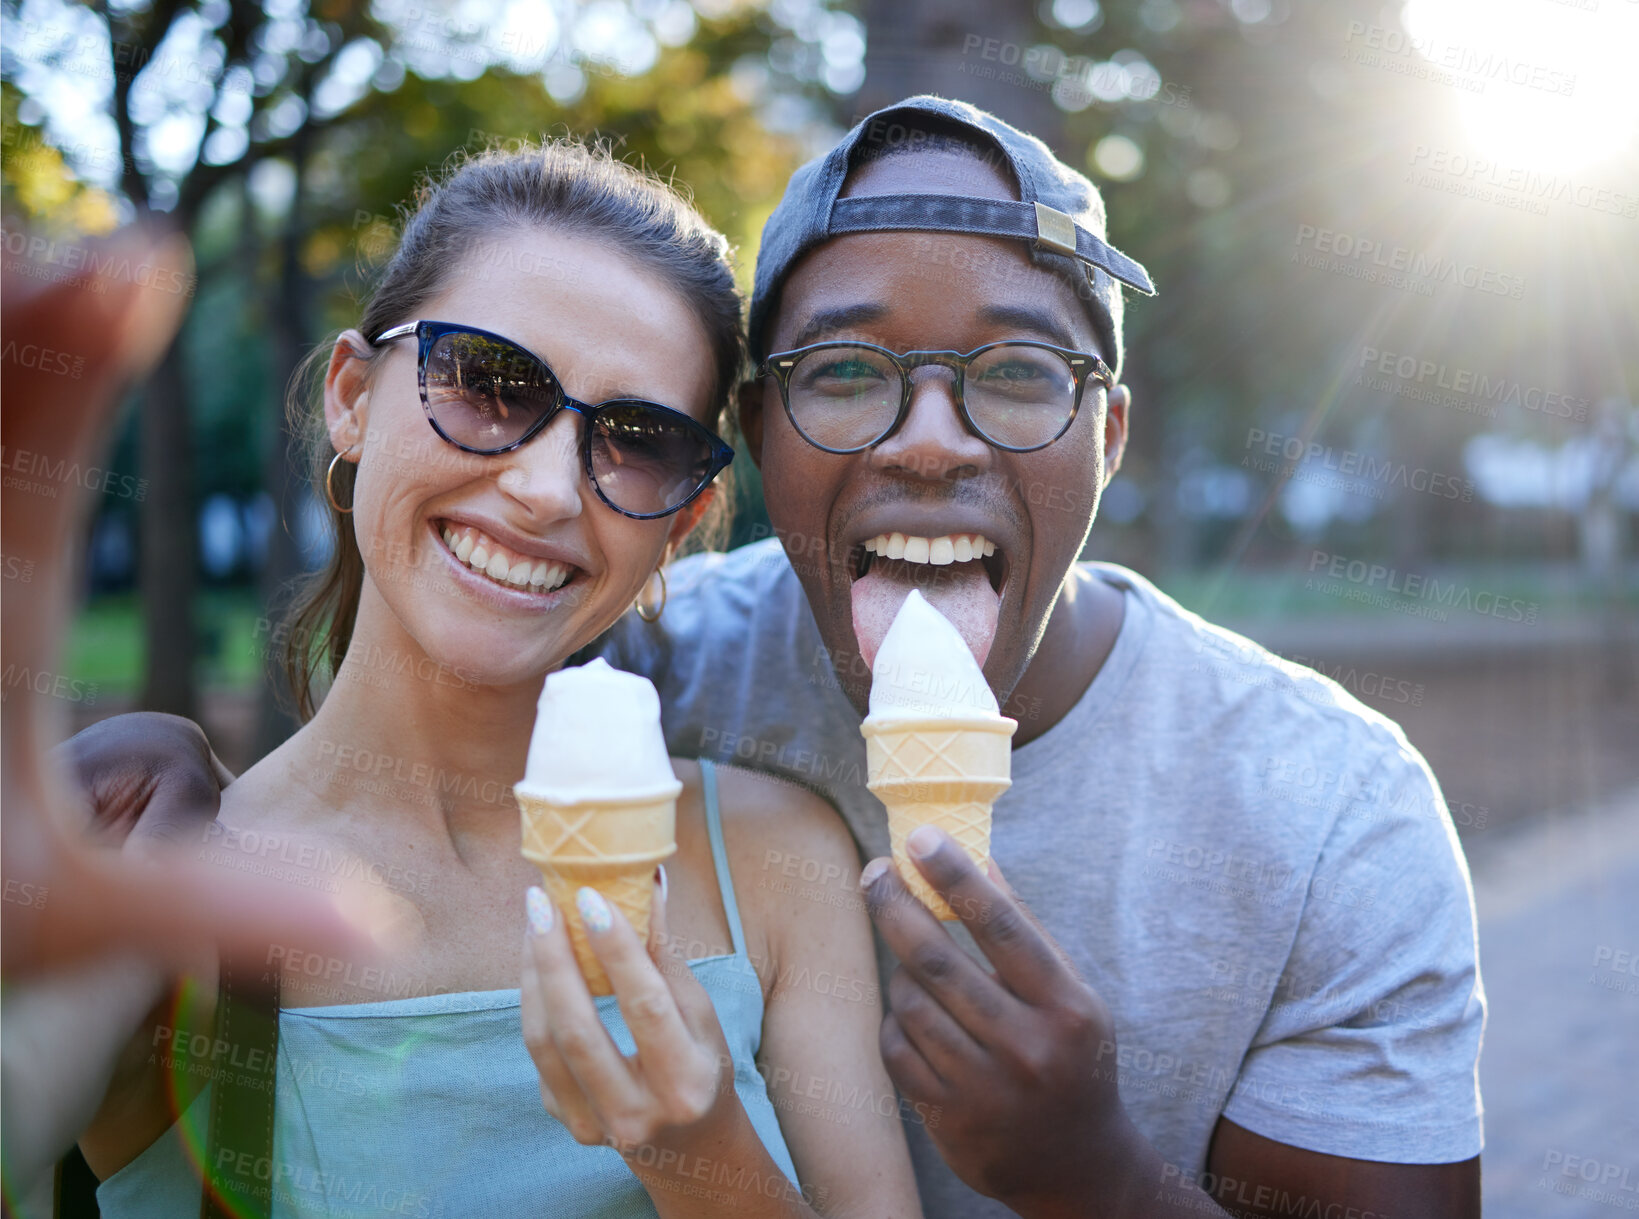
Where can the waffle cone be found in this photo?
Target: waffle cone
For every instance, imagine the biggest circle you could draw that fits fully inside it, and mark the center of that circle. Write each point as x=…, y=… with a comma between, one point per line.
x=612, y=845
x=941, y=772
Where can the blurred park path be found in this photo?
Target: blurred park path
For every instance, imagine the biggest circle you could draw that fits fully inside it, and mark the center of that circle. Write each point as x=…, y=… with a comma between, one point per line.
x=1558, y=900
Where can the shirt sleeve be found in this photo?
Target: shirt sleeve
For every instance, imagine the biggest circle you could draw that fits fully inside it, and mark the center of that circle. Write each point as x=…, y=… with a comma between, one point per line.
x=1370, y=1047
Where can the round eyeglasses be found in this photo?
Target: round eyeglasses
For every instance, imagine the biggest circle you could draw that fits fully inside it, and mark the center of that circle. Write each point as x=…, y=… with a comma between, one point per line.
x=486, y=394
x=1018, y=395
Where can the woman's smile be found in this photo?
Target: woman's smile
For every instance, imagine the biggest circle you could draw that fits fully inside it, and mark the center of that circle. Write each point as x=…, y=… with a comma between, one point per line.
x=540, y=584
x=483, y=554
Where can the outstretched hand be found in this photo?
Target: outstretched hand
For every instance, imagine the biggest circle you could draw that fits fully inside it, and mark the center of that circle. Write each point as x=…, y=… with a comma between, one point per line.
x=1011, y=1058
x=80, y=341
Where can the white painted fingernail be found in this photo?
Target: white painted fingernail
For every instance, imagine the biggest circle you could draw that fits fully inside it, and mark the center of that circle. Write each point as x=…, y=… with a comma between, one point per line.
x=540, y=910
x=665, y=886
x=594, y=911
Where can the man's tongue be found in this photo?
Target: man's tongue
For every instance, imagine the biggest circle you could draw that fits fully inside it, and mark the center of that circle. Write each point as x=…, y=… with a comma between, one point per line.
x=959, y=591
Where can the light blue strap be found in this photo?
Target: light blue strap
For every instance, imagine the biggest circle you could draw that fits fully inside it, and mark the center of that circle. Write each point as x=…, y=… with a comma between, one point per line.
x=719, y=857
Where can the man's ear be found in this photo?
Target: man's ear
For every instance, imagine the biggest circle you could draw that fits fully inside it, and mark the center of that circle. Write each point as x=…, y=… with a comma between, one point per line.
x=1118, y=403
x=749, y=395
x=347, y=392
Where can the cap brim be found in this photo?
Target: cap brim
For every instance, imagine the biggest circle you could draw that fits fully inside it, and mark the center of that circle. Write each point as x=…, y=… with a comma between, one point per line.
x=981, y=217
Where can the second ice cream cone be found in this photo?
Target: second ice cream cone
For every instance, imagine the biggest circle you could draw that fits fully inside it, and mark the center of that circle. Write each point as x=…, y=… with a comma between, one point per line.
x=611, y=844
x=942, y=772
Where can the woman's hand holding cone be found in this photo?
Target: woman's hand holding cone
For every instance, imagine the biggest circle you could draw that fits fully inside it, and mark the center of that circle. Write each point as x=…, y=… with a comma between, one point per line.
x=670, y=1109
x=681, y=1072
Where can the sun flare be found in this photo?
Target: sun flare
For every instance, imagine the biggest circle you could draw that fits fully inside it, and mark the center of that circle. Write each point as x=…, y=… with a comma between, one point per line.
x=1540, y=84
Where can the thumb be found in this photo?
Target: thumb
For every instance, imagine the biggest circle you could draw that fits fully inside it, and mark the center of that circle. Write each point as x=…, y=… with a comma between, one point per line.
x=1001, y=882
x=994, y=870
x=660, y=945
x=666, y=951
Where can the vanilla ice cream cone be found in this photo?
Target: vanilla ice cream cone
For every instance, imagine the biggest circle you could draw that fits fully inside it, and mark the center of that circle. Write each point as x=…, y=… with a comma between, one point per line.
x=598, y=798
x=943, y=772
x=611, y=844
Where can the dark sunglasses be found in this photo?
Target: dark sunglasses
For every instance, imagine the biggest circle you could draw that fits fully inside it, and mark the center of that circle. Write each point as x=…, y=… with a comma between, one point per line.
x=485, y=394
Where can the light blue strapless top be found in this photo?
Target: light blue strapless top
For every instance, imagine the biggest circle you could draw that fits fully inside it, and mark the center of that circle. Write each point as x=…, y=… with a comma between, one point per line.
x=430, y=1108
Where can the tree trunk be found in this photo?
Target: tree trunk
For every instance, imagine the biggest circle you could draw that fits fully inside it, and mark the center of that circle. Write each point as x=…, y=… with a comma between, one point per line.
x=972, y=50
x=166, y=572
x=283, y=477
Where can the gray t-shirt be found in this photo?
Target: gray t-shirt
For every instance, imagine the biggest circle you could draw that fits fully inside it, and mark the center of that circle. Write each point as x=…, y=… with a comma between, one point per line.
x=1257, y=873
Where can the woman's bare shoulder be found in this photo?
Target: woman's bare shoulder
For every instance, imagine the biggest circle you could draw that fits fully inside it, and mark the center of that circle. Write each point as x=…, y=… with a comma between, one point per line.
x=782, y=828
x=272, y=792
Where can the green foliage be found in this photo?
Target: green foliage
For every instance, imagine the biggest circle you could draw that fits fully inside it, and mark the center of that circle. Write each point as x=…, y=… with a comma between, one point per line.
x=37, y=186
x=684, y=118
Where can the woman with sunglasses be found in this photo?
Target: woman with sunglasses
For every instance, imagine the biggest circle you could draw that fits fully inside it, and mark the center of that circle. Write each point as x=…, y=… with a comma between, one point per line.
x=518, y=436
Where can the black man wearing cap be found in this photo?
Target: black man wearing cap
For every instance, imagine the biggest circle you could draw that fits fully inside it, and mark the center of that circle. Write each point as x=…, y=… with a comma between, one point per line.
x=1233, y=956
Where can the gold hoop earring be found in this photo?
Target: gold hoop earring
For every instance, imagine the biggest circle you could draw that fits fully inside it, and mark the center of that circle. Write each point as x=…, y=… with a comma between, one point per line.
x=642, y=610
x=329, y=489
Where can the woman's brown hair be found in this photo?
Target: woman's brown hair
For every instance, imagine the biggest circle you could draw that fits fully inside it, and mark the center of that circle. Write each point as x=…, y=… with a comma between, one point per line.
x=565, y=185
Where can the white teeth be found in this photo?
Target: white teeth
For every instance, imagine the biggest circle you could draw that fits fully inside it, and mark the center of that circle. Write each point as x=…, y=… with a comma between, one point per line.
x=939, y=551
x=486, y=557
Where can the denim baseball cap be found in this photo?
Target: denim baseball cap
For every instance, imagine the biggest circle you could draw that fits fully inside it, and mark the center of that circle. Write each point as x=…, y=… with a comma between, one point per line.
x=1058, y=212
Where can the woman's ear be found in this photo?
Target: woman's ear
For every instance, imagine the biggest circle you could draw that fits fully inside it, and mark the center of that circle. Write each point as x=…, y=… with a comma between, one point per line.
x=684, y=522
x=347, y=391
x=749, y=396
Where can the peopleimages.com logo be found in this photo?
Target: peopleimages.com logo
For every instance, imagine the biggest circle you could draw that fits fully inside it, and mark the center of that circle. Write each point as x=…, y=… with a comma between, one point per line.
x=1295, y=457
x=1475, y=63
x=1474, y=391
x=1368, y=578
x=1517, y=186
x=55, y=260
x=1389, y=263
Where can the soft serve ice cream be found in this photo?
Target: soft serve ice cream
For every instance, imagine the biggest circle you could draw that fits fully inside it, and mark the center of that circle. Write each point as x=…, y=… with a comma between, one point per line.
x=937, y=750
x=597, y=732
x=924, y=668
x=598, y=798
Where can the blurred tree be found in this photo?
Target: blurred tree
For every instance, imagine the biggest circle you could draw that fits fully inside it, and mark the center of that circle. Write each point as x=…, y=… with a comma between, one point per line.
x=977, y=50
x=197, y=93
x=37, y=187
